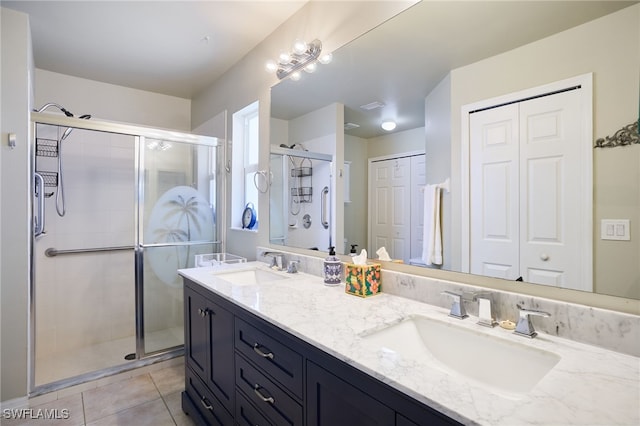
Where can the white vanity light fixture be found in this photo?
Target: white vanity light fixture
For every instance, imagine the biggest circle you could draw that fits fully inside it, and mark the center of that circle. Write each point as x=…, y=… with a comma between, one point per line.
x=304, y=56
x=388, y=125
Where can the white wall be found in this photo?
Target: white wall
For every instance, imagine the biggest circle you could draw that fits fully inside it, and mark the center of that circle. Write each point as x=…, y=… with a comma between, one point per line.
x=17, y=74
x=335, y=24
x=112, y=103
x=608, y=47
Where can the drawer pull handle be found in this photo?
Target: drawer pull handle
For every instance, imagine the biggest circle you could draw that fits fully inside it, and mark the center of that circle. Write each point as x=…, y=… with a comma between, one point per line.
x=269, y=399
x=203, y=312
x=256, y=348
x=206, y=404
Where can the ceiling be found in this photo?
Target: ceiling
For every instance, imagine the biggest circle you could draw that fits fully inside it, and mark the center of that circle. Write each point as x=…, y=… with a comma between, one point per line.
x=400, y=62
x=175, y=48
x=179, y=48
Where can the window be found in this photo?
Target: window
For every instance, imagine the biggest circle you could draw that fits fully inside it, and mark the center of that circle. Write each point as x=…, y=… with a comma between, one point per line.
x=245, y=162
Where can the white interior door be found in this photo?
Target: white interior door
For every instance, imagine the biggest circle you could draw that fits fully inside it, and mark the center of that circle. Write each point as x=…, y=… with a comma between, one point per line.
x=494, y=176
x=389, y=193
x=550, y=189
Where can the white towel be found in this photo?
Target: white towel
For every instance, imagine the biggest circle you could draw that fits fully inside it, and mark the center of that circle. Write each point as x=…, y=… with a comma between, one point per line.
x=432, y=238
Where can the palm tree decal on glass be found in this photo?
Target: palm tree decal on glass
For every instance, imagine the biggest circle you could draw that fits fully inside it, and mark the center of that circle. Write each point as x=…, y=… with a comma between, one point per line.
x=182, y=216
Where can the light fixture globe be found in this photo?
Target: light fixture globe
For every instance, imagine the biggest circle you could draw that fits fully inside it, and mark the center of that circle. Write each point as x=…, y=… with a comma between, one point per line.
x=388, y=125
x=299, y=47
x=284, y=58
x=271, y=66
x=326, y=58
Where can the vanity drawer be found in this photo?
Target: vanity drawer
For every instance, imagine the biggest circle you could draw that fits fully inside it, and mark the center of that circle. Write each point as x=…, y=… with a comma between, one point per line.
x=276, y=404
x=247, y=414
x=278, y=360
x=208, y=405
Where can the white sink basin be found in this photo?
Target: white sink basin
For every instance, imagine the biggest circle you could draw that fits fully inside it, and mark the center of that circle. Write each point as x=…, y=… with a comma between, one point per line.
x=251, y=276
x=505, y=367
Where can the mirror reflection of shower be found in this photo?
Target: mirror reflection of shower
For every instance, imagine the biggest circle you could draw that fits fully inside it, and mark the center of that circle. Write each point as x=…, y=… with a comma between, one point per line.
x=60, y=202
x=299, y=187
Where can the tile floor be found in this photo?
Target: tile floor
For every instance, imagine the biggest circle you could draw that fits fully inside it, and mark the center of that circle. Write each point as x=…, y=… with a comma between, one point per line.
x=147, y=396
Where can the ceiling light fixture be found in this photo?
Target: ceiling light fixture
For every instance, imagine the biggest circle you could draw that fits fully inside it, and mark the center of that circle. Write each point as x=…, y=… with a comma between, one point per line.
x=388, y=125
x=304, y=56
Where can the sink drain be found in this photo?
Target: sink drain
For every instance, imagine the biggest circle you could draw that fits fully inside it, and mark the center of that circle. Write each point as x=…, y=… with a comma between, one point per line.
x=130, y=357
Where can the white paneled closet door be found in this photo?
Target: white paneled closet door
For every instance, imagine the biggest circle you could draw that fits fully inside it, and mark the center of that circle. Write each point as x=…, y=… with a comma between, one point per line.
x=494, y=176
x=525, y=200
x=550, y=188
x=390, y=218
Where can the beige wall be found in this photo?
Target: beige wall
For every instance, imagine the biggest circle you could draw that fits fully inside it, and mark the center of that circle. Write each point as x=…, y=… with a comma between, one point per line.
x=335, y=24
x=17, y=73
x=405, y=141
x=609, y=48
x=437, y=109
x=113, y=103
x=355, y=218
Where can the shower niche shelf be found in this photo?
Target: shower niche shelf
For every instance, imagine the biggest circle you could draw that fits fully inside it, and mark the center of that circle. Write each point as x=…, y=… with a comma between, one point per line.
x=46, y=148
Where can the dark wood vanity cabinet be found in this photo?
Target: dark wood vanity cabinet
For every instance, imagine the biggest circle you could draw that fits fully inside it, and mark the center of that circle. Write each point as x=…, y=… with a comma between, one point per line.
x=208, y=353
x=242, y=370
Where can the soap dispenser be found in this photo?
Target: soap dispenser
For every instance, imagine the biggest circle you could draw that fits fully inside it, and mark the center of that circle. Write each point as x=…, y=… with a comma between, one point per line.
x=353, y=252
x=332, y=268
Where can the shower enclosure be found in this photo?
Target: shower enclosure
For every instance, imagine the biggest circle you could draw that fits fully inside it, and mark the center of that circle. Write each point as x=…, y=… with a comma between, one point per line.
x=300, y=198
x=140, y=203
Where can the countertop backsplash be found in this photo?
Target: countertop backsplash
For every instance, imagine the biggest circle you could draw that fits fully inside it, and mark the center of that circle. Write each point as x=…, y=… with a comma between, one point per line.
x=611, y=330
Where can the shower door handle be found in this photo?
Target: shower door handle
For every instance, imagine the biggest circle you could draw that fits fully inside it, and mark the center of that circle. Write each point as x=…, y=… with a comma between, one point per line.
x=325, y=193
x=38, y=220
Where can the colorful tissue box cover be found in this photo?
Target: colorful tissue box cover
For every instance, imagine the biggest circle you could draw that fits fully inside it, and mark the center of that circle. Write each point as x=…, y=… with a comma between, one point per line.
x=362, y=280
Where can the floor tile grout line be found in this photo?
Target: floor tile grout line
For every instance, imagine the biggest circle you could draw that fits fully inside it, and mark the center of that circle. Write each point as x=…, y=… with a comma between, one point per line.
x=84, y=415
x=163, y=400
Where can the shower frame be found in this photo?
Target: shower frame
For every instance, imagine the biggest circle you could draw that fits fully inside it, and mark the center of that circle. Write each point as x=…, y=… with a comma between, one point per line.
x=140, y=133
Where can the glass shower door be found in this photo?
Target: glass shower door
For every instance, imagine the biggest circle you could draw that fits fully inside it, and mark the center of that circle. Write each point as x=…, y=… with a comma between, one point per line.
x=177, y=220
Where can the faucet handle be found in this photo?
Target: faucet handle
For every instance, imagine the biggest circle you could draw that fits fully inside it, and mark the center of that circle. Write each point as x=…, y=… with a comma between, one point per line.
x=292, y=268
x=457, y=308
x=524, y=326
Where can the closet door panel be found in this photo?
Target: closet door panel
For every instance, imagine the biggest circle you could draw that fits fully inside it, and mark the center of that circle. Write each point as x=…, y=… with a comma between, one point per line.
x=550, y=213
x=494, y=221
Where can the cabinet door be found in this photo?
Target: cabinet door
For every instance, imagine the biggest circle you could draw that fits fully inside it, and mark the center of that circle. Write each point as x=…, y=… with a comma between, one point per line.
x=220, y=369
x=209, y=344
x=334, y=402
x=196, y=332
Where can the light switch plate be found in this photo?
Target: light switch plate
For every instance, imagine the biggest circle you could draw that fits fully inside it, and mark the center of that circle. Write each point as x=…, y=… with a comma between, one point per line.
x=615, y=229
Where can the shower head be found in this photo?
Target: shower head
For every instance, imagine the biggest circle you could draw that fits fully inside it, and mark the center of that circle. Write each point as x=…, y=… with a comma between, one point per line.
x=52, y=104
x=69, y=129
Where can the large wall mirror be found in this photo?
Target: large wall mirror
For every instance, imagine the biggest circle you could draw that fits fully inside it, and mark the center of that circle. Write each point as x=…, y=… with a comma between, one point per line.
x=425, y=67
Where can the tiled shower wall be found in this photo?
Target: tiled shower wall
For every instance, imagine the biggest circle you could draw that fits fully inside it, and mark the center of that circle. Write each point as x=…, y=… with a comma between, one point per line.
x=83, y=299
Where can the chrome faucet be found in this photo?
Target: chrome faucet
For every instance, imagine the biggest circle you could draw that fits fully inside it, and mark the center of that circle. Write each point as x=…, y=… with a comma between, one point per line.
x=457, y=307
x=524, y=326
x=277, y=259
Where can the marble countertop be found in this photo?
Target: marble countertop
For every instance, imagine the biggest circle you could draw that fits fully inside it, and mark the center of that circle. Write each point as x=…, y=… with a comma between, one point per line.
x=588, y=386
